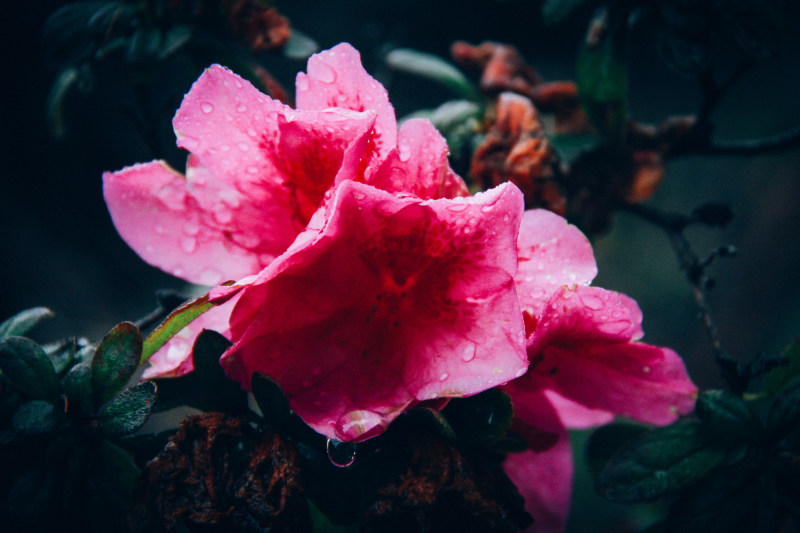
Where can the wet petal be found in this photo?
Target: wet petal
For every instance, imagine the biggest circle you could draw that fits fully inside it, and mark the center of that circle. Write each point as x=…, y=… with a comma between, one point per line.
x=155, y=213
x=552, y=253
x=584, y=348
x=419, y=165
x=336, y=78
x=393, y=301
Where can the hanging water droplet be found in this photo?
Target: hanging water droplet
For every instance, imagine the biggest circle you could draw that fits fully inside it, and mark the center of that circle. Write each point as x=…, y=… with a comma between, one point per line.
x=341, y=454
x=206, y=107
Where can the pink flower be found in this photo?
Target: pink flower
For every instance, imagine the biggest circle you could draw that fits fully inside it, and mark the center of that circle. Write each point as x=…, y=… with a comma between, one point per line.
x=384, y=302
x=258, y=170
x=586, y=364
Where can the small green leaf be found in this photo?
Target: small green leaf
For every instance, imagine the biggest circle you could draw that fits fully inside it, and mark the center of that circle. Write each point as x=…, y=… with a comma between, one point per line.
x=602, y=78
x=36, y=417
x=77, y=385
x=299, y=46
x=607, y=440
x=785, y=376
x=176, y=321
x=435, y=419
x=175, y=39
x=433, y=68
x=784, y=415
x=27, y=366
x=270, y=399
x=554, y=11
x=728, y=415
x=119, y=466
x=481, y=419
x=129, y=411
x=115, y=361
x=659, y=463
x=23, y=322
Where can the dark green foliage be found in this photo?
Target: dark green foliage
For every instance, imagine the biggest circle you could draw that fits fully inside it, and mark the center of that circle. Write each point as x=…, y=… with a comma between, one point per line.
x=128, y=411
x=23, y=322
x=554, y=11
x=28, y=368
x=729, y=416
x=270, y=399
x=785, y=376
x=115, y=361
x=606, y=440
x=482, y=419
x=36, y=417
x=659, y=463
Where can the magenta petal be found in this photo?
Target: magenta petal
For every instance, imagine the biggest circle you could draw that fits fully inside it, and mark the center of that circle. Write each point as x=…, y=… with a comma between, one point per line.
x=584, y=349
x=336, y=78
x=576, y=416
x=157, y=216
x=419, y=165
x=543, y=479
x=552, y=253
x=174, y=358
x=392, y=301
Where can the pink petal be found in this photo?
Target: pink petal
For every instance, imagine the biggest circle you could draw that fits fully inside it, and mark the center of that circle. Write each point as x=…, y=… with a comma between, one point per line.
x=336, y=78
x=584, y=349
x=419, y=165
x=552, y=253
x=155, y=213
x=543, y=479
x=174, y=358
x=574, y=415
x=393, y=301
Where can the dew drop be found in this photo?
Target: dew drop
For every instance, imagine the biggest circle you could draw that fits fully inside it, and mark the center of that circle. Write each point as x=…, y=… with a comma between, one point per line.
x=593, y=302
x=238, y=84
x=188, y=244
x=646, y=369
x=444, y=376
x=241, y=108
x=222, y=214
x=191, y=227
x=243, y=146
x=206, y=107
x=159, y=229
x=252, y=169
x=341, y=454
x=325, y=73
x=210, y=277
x=224, y=147
x=469, y=353
x=251, y=132
x=301, y=84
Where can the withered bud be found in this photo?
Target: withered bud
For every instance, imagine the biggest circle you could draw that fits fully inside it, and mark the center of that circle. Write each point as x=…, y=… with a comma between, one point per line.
x=220, y=471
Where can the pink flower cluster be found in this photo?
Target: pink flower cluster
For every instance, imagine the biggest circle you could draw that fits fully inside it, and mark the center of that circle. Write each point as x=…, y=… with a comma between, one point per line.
x=369, y=280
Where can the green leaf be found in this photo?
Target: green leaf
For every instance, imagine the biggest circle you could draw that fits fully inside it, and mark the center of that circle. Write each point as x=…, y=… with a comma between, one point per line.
x=570, y=147
x=36, y=417
x=785, y=376
x=724, y=500
x=77, y=385
x=659, y=463
x=607, y=440
x=270, y=399
x=129, y=411
x=27, y=366
x=433, y=68
x=23, y=322
x=119, y=466
x=602, y=78
x=728, y=415
x=299, y=46
x=784, y=415
x=554, y=11
x=481, y=419
x=435, y=419
x=115, y=361
x=176, y=321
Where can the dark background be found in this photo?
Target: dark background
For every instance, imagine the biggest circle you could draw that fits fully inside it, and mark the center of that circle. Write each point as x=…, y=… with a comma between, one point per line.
x=59, y=248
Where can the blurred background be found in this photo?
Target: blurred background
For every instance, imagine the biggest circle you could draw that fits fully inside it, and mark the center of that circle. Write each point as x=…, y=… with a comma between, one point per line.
x=60, y=250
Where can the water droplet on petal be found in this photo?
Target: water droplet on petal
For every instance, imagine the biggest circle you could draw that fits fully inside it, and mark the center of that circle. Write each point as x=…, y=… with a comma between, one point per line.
x=444, y=376
x=224, y=147
x=469, y=353
x=301, y=84
x=646, y=369
x=593, y=302
x=341, y=454
x=206, y=107
x=238, y=84
x=241, y=108
x=252, y=169
x=188, y=244
x=251, y=132
x=325, y=73
x=210, y=277
x=222, y=214
x=243, y=146
x=191, y=227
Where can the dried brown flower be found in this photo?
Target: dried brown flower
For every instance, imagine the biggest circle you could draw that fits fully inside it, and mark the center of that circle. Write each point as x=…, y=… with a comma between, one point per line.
x=220, y=471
